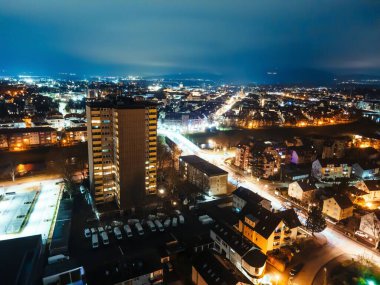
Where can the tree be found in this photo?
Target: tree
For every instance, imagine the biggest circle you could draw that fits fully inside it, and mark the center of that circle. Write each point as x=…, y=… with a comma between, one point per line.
x=315, y=221
x=372, y=223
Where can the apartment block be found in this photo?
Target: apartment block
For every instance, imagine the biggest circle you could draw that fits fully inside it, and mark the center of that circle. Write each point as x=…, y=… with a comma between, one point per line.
x=122, y=147
x=26, y=138
x=206, y=176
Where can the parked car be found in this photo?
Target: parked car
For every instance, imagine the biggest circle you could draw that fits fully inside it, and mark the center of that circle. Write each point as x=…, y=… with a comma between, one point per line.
x=159, y=225
x=128, y=230
x=117, y=233
x=296, y=269
x=167, y=223
x=361, y=234
x=104, y=236
x=87, y=233
x=331, y=221
x=93, y=231
x=108, y=228
x=95, y=241
x=151, y=226
x=139, y=229
x=100, y=229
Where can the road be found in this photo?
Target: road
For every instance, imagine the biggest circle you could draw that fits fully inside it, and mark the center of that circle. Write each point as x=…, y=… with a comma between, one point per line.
x=337, y=242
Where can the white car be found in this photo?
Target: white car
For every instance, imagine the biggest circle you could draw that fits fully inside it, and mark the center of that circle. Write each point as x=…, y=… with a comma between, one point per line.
x=361, y=234
x=87, y=233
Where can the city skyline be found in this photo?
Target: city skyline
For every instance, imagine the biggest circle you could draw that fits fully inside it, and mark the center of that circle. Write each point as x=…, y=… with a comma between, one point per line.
x=255, y=41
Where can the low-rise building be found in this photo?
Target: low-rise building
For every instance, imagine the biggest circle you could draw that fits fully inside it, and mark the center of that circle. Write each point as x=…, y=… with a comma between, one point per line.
x=26, y=138
x=210, y=268
x=372, y=188
x=243, y=196
x=267, y=230
x=365, y=170
x=338, y=207
x=250, y=260
x=330, y=169
x=206, y=176
x=74, y=135
x=21, y=260
x=302, y=154
x=302, y=191
x=243, y=155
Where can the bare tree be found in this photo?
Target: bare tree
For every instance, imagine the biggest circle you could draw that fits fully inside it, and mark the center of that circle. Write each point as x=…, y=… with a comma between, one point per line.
x=372, y=223
x=13, y=171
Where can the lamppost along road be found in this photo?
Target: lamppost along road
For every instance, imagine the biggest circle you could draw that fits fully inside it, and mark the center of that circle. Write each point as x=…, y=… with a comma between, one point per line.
x=335, y=238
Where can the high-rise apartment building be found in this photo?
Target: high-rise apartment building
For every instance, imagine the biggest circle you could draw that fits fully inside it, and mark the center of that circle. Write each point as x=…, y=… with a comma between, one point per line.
x=122, y=148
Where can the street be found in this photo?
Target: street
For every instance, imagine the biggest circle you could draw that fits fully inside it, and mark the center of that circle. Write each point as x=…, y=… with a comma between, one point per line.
x=337, y=242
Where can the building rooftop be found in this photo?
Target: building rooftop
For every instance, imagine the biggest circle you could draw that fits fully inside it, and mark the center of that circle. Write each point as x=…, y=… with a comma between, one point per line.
x=268, y=221
x=255, y=258
x=216, y=270
x=203, y=165
x=290, y=218
x=248, y=196
x=305, y=186
x=238, y=243
x=77, y=129
x=27, y=130
x=24, y=253
x=343, y=201
x=372, y=185
x=127, y=103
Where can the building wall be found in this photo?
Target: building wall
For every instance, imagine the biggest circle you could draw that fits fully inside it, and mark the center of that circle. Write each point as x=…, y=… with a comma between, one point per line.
x=296, y=192
x=372, y=196
x=196, y=278
x=332, y=209
x=122, y=147
x=100, y=153
x=215, y=185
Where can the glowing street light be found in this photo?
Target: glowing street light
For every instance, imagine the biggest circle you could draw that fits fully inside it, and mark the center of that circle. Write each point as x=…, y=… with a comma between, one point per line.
x=161, y=191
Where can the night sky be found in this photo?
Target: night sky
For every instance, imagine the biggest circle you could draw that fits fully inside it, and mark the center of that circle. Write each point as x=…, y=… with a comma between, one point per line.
x=237, y=38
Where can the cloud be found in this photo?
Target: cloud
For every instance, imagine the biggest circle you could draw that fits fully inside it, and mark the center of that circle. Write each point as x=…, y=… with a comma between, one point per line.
x=222, y=36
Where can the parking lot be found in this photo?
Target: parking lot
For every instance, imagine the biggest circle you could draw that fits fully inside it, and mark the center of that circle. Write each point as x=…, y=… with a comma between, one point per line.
x=35, y=204
x=94, y=259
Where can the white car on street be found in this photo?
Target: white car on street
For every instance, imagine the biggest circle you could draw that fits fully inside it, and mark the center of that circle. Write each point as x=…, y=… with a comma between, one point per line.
x=361, y=234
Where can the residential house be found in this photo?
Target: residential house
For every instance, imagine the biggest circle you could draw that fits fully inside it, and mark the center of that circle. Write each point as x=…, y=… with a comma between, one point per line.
x=338, y=207
x=323, y=169
x=302, y=154
x=243, y=196
x=372, y=187
x=267, y=230
x=302, y=191
x=365, y=170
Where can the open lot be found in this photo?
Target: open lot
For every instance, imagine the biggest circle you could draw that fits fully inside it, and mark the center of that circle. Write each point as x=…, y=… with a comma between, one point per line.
x=36, y=204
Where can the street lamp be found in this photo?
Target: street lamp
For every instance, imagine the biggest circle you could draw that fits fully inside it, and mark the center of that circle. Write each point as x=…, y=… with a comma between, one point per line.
x=161, y=191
